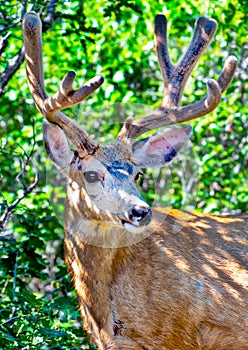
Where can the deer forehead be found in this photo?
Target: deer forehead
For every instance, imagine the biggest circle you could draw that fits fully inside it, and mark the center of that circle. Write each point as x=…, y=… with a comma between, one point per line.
x=114, y=159
x=115, y=151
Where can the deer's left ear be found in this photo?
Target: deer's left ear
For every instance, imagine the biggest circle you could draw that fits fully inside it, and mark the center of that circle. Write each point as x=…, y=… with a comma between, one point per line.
x=160, y=148
x=57, y=146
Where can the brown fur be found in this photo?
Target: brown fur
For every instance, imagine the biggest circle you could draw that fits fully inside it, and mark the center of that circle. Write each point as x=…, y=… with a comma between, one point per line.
x=183, y=287
x=181, y=283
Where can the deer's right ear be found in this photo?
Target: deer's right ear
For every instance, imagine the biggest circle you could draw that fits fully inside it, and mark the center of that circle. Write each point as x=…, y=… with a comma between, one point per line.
x=57, y=146
x=161, y=147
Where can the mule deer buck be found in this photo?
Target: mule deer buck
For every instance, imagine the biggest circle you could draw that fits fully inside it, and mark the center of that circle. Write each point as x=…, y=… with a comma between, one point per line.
x=182, y=284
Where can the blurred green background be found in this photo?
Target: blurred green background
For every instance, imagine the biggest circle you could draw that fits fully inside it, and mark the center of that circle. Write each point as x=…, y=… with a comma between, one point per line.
x=38, y=307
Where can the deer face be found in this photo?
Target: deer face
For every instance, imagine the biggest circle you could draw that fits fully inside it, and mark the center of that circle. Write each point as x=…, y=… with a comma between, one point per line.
x=109, y=188
x=106, y=179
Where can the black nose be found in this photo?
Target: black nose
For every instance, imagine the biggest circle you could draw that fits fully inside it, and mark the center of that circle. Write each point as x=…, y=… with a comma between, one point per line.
x=140, y=214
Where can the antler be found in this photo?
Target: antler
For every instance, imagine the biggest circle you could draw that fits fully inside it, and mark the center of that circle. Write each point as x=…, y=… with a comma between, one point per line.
x=175, y=78
x=66, y=96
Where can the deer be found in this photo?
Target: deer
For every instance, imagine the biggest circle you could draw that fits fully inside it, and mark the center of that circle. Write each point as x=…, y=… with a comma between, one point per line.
x=146, y=278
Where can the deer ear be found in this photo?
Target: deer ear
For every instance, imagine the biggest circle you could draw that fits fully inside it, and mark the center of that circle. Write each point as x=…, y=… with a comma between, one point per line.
x=160, y=148
x=57, y=146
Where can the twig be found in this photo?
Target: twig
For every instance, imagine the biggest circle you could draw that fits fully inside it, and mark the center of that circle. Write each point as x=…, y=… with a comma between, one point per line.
x=9, y=209
x=28, y=159
x=15, y=274
x=49, y=19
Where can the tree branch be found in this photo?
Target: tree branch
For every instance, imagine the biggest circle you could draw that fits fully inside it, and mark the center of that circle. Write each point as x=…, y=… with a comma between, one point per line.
x=4, y=42
x=14, y=63
x=12, y=66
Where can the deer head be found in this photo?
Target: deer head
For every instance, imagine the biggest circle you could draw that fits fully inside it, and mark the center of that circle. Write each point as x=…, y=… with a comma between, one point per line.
x=104, y=176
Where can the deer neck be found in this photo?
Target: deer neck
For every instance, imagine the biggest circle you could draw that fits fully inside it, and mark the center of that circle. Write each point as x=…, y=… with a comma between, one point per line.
x=93, y=260
x=93, y=270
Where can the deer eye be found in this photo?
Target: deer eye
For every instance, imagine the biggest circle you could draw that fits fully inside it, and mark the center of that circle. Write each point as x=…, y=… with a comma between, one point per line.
x=92, y=176
x=138, y=176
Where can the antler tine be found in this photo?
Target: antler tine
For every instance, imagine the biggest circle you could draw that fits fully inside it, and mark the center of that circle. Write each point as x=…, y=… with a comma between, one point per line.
x=203, y=33
x=31, y=28
x=175, y=79
x=66, y=96
x=227, y=73
x=166, y=67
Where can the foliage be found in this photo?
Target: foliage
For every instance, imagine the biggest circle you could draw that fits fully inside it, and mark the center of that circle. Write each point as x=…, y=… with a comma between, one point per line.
x=113, y=38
